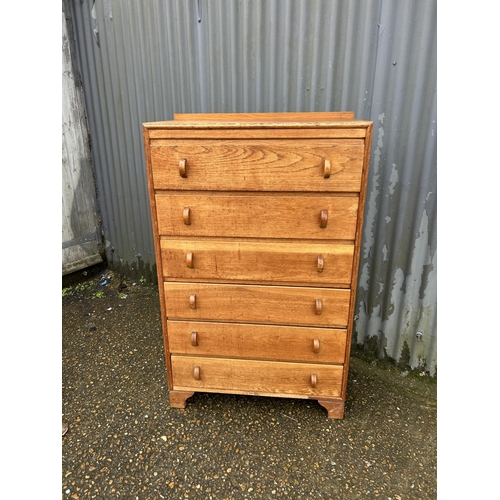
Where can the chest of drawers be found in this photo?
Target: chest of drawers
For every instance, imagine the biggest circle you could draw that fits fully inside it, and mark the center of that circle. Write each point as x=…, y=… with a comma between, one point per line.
x=257, y=222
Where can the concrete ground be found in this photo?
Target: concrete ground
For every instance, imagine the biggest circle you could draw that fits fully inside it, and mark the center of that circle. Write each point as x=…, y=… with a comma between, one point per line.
x=124, y=441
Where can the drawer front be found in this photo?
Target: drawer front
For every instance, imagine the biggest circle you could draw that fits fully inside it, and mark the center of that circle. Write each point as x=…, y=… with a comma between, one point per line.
x=258, y=215
x=265, y=342
x=315, y=263
x=253, y=165
x=250, y=376
x=258, y=304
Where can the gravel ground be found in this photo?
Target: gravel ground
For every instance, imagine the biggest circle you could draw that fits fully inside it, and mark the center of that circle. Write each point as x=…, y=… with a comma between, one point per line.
x=124, y=441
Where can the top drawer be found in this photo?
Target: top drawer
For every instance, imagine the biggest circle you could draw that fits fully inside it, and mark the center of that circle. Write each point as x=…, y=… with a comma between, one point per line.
x=258, y=165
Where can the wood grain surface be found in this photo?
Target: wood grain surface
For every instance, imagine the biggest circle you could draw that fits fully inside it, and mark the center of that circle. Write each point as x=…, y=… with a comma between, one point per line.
x=303, y=116
x=257, y=215
x=258, y=304
x=257, y=221
x=271, y=165
x=241, y=260
x=266, y=342
x=255, y=376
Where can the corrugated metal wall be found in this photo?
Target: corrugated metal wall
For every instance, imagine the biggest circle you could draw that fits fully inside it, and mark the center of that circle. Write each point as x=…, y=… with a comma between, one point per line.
x=144, y=61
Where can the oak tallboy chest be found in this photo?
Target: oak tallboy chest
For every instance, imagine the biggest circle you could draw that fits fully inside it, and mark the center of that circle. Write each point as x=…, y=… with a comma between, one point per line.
x=257, y=222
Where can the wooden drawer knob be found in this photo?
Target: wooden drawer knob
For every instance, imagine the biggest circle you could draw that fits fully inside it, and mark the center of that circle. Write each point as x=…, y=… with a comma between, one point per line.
x=314, y=380
x=323, y=218
x=194, y=339
x=321, y=263
x=186, y=215
x=316, y=345
x=319, y=306
x=196, y=373
x=189, y=259
x=182, y=167
x=192, y=301
x=327, y=169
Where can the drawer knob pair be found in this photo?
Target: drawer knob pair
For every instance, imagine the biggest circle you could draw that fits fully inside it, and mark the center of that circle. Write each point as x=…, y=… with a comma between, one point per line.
x=323, y=217
x=318, y=306
x=327, y=168
x=190, y=264
x=194, y=342
x=313, y=378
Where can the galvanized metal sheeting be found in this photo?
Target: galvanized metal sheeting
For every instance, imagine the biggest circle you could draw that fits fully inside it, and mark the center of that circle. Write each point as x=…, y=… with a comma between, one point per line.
x=144, y=61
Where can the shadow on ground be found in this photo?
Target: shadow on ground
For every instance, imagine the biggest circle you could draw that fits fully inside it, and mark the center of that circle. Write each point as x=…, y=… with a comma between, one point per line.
x=124, y=441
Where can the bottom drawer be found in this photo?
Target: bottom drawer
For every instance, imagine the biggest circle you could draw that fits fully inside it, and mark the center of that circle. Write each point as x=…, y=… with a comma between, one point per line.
x=249, y=376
